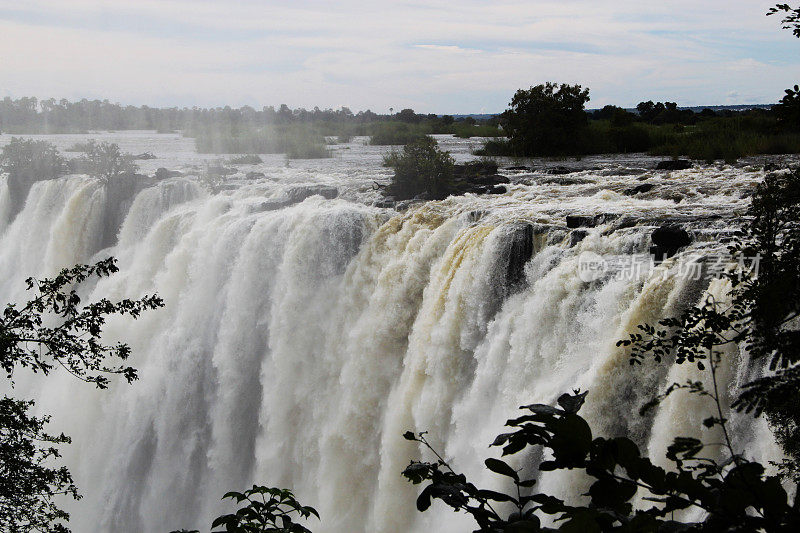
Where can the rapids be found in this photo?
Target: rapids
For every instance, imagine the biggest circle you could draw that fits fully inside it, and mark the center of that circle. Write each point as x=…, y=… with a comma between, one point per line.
x=297, y=344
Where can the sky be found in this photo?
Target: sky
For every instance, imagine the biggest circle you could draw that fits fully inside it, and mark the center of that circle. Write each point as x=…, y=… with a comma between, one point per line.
x=433, y=56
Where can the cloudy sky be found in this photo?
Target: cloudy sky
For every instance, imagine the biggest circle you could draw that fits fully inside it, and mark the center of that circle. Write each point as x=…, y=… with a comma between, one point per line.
x=452, y=56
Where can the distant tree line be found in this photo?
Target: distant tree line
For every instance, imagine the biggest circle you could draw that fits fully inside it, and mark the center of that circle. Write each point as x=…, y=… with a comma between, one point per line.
x=31, y=115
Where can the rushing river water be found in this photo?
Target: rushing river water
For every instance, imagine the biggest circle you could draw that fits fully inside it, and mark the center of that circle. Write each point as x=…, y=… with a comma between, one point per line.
x=300, y=340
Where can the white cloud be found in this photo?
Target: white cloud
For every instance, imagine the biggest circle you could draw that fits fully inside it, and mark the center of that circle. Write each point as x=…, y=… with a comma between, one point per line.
x=433, y=56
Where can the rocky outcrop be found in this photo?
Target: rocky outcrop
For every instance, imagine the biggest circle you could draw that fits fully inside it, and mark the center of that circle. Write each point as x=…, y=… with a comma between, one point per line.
x=589, y=221
x=667, y=240
x=163, y=173
x=633, y=191
x=120, y=193
x=674, y=164
x=300, y=193
x=520, y=250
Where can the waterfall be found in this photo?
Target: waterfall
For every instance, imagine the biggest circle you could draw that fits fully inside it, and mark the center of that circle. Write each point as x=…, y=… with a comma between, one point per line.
x=298, y=344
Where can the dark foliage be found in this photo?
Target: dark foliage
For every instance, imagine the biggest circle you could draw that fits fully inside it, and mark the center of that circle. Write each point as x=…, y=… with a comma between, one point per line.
x=103, y=160
x=27, y=341
x=25, y=162
x=265, y=510
x=29, y=481
x=421, y=168
x=788, y=110
x=791, y=19
x=29, y=160
x=736, y=496
x=546, y=119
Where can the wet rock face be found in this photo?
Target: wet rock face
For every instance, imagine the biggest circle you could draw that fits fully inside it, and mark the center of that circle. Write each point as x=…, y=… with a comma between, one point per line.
x=298, y=194
x=676, y=164
x=520, y=250
x=667, y=240
x=163, y=173
x=633, y=191
x=120, y=192
x=588, y=221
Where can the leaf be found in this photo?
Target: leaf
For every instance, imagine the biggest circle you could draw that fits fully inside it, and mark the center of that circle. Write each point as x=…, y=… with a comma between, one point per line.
x=424, y=499
x=495, y=496
x=502, y=468
x=543, y=409
x=571, y=403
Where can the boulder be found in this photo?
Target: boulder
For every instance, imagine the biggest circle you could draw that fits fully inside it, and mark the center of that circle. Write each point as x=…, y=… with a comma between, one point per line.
x=576, y=236
x=671, y=237
x=525, y=169
x=644, y=187
x=580, y=221
x=588, y=221
x=560, y=180
x=162, y=173
x=387, y=203
x=270, y=204
x=254, y=175
x=667, y=240
x=474, y=168
x=144, y=156
x=674, y=164
x=560, y=170
x=300, y=193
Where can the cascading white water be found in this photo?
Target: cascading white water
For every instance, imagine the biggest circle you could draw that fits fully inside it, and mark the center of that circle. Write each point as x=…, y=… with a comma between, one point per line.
x=298, y=344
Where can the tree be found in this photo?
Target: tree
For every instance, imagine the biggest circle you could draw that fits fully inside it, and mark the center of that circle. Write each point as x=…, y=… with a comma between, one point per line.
x=420, y=168
x=29, y=482
x=25, y=162
x=546, y=119
x=788, y=110
x=408, y=116
x=104, y=160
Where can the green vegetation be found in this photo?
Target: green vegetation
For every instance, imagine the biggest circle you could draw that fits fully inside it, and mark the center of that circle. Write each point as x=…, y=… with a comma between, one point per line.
x=547, y=119
x=706, y=136
x=266, y=509
x=78, y=147
x=29, y=480
x=25, y=162
x=421, y=168
x=103, y=160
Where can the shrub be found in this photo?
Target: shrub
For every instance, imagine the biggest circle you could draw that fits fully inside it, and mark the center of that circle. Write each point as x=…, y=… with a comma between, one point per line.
x=26, y=161
x=266, y=509
x=103, y=160
x=421, y=168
